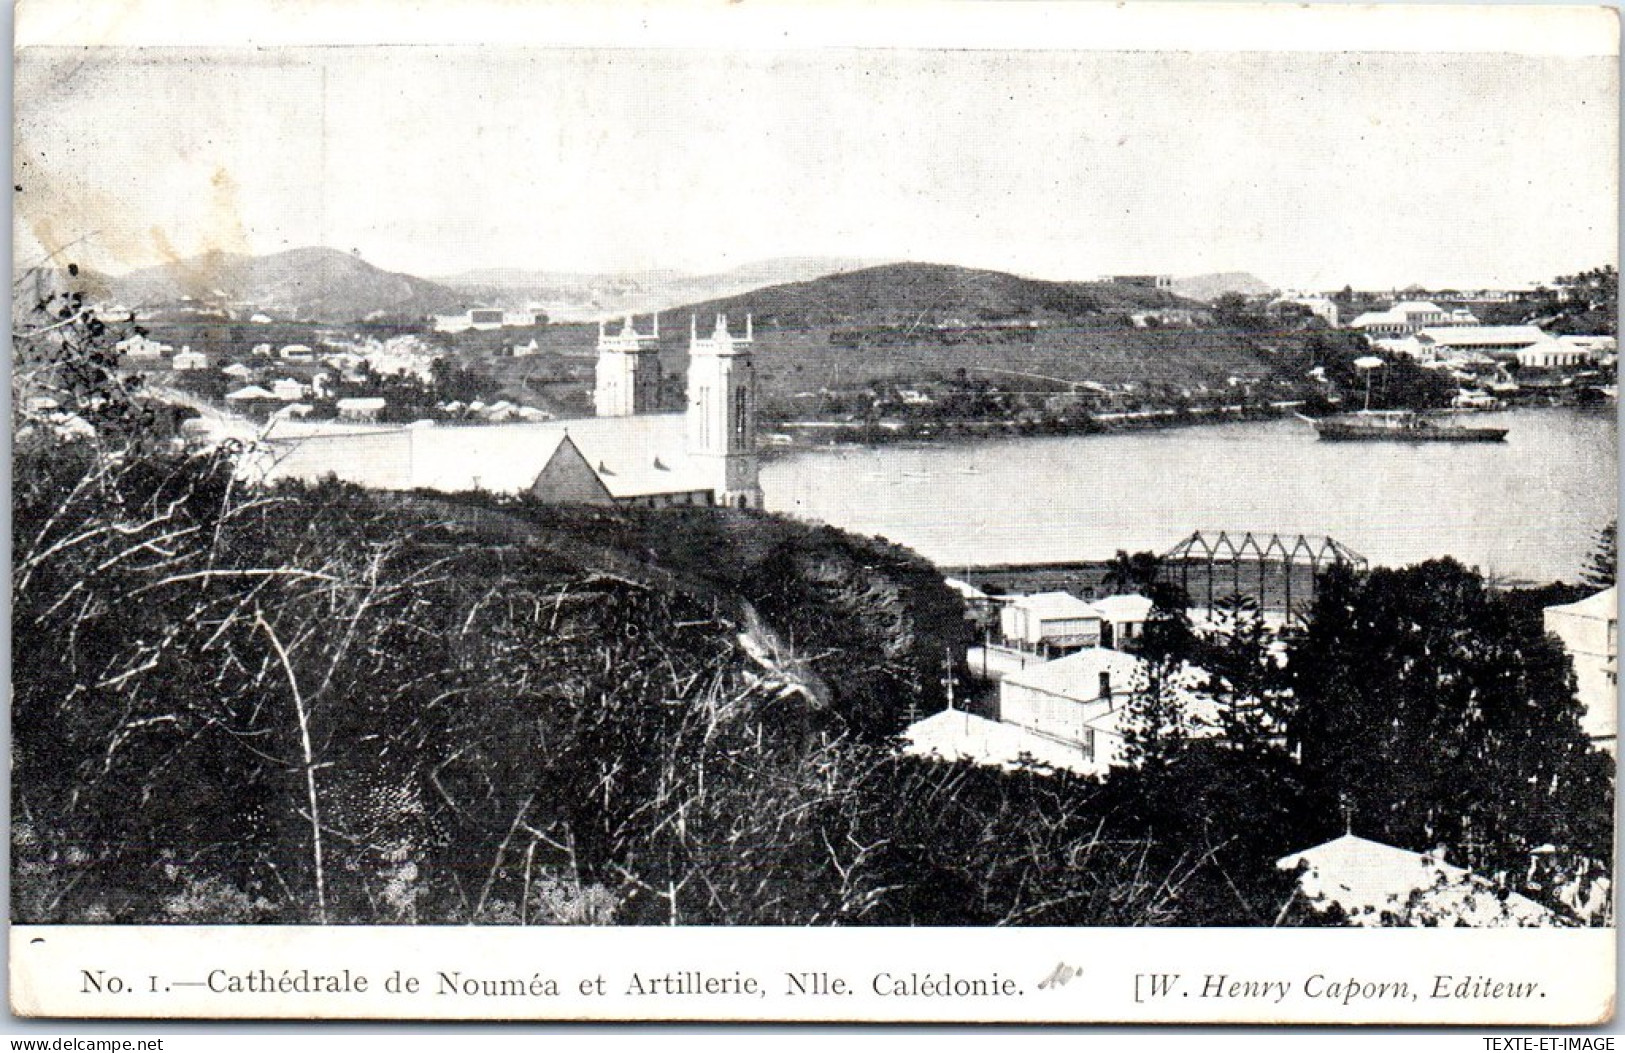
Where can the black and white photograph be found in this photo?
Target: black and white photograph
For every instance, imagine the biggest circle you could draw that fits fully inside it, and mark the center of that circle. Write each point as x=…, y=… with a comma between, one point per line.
x=716, y=473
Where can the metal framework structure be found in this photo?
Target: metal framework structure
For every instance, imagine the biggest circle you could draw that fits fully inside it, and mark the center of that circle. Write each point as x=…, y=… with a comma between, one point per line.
x=1260, y=565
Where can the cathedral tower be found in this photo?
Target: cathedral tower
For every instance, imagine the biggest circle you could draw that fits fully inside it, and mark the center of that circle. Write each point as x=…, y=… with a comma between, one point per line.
x=628, y=377
x=722, y=412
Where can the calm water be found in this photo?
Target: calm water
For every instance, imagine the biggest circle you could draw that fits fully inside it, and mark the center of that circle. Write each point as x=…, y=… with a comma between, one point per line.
x=1526, y=509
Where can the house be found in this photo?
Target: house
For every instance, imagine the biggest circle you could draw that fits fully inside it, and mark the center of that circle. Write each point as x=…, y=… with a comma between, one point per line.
x=251, y=393
x=360, y=409
x=1589, y=630
x=297, y=353
x=704, y=455
x=287, y=389
x=238, y=371
x=141, y=349
x=1049, y=621
x=1374, y=884
x=954, y=735
x=187, y=359
x=1122, y=619
x=1077, y=700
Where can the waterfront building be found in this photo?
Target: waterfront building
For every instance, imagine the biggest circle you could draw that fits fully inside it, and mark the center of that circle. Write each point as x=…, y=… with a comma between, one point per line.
x=1589, y=630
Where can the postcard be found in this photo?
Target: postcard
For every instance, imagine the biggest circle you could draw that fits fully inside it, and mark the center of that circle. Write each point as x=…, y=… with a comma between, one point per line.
x=913, y=512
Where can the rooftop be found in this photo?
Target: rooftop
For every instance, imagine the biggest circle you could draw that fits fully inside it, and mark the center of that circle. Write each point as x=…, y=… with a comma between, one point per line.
x=1078, y=675
x=1055, y=605
x=1368, y=879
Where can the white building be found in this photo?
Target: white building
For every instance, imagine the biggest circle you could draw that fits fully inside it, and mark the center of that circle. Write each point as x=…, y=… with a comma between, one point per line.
x=287, y=389
x=1402, y=319
x=1376, y=885
x=141, y=349
x=1122, y=619
x=297, y=353
x=954, y=735
x=187, y=359
x=360, y=409
x=1049, y=621
x=1589, y=630
x=1076, y=700
x=1504, y=341
x=485, y=319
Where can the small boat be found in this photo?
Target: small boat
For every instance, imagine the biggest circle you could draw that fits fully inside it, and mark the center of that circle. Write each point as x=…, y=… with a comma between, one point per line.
x=1401, y=426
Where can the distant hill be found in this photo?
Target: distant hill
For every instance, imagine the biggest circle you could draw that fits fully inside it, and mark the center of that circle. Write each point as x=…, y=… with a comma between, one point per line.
x=931, y=294
x=316, y=284
x=576, y=296
x=1209, y=287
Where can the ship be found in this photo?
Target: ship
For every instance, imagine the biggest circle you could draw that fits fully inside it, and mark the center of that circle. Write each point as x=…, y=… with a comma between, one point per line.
x=1401, y=426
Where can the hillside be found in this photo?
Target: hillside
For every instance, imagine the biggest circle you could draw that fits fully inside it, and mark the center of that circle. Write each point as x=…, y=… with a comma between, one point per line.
x=313, y=284
x=442, y=669
x=1209, y=287
x=925, y=294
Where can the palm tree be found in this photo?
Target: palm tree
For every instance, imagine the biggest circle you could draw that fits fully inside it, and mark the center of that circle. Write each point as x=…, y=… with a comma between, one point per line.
x=1131, y=573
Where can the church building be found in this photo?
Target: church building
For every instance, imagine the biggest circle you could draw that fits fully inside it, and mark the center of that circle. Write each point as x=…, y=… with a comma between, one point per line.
x=626, y=455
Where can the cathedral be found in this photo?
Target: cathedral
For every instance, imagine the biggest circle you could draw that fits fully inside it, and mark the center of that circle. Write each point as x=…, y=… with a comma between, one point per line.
x=628, y=455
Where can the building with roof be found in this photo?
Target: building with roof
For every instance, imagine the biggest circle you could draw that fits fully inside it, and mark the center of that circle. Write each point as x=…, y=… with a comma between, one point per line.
x=1049, y=622
x=1589, y=630
x=1497, y=341
x=1374, y=885
x=705, y=455
x=1402, y=319
x=1077, y=700
x=186, y=359
x=1122, y=618
x=954, y=735
x=360, y=409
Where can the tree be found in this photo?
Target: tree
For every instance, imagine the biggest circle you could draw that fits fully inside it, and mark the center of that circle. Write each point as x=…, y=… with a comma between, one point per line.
x=1602, y=565
x=1136, y=573
x=1157, y=723
x=1438, y=714
x=1245, y=676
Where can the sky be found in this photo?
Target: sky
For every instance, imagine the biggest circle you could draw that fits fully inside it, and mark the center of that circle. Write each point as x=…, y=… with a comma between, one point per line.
x=1310, y=170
